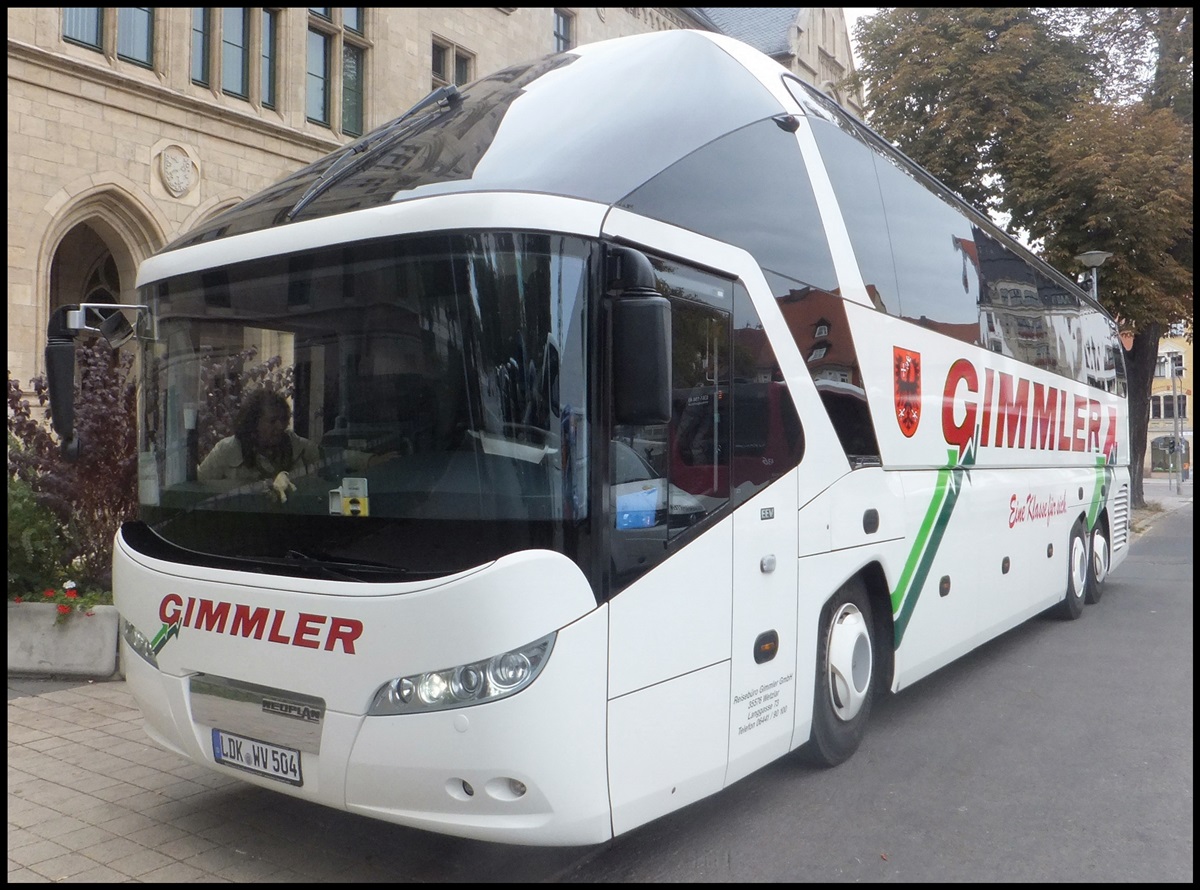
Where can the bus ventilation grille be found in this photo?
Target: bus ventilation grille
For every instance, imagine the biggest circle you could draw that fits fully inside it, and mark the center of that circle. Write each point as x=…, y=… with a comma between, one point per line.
x=1118, y=519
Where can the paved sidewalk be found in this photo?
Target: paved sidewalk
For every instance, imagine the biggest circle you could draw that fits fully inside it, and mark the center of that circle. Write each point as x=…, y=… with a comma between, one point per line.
x=91, y=799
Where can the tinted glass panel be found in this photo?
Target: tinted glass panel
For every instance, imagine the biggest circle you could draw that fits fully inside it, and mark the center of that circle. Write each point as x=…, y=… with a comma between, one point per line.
x=666, y=479
x=434, y=411
x=598, y=125
x=749, y=188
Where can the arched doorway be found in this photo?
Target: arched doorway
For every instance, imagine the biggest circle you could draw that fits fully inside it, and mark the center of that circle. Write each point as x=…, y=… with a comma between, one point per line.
x=84, y=270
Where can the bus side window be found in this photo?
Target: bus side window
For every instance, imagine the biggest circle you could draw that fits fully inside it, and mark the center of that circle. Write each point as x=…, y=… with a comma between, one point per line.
x=667, y=478
x=768, y=437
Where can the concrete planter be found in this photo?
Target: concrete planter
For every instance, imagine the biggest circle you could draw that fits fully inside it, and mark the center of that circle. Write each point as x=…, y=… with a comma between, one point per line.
x=81, y=646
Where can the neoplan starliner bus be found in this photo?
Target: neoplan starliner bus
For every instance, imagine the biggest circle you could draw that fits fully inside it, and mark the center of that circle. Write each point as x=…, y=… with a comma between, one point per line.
x=665, y=417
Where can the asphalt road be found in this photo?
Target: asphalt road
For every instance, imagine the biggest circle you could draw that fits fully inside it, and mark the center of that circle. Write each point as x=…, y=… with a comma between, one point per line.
x=1058, y=752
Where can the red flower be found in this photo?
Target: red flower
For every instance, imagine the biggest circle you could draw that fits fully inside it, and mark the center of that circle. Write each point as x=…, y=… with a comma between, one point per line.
x=70, y=594
x=47, y=593
x=63, y=610
x=18, y=599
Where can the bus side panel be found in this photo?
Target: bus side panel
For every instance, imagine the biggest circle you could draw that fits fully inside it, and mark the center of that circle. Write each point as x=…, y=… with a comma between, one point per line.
x=762, y=710
x=667, y=745
x=675, y=618
x=989, y=550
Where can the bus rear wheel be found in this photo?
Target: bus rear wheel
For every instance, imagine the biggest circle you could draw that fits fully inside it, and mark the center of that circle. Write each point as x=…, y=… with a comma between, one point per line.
x=1079, y=569
x=845, y=685
x=1099, y=564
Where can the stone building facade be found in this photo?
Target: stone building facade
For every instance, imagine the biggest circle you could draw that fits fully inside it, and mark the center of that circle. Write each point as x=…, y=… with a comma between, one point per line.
x=128, y=127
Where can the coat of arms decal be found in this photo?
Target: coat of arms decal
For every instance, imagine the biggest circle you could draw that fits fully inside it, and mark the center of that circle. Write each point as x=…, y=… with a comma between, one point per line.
x=907, y=377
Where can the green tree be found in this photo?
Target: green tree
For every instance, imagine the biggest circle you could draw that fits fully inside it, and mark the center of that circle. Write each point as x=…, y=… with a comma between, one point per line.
x=1073, y=124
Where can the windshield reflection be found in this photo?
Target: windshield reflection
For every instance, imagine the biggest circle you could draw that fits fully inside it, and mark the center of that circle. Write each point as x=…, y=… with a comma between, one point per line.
x=350, y=393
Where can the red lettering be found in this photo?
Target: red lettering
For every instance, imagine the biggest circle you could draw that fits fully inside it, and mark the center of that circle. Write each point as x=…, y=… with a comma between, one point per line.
x=1093, y=435
x=247, y=622
x=212, y=616
x=346, y=631
x=1064, y=426
x=275, y=636
x=962, y=371
x=191, y=607
x=986, y=426
x=1080, y=423
x=168, y=609
x=1110, y=440
x=1012, y=412
x=1045, y=400
x=307, y=626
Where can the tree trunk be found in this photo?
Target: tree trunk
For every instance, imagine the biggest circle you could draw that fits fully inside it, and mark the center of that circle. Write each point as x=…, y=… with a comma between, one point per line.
x=1140, y=361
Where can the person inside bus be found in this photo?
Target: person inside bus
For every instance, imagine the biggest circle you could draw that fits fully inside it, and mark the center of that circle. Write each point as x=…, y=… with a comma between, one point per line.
x=262, y=447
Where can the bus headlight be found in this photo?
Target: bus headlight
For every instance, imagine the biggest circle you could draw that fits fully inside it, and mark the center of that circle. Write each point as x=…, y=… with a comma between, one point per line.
x=138, y=642
x=467, y=684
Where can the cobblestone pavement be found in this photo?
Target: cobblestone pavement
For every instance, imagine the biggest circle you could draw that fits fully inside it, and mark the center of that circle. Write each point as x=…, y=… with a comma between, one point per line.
x=91, y=799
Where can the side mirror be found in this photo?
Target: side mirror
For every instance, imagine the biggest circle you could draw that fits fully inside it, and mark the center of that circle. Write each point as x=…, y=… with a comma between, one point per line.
x=641, y=342
x=65, y=324
x=60, y=379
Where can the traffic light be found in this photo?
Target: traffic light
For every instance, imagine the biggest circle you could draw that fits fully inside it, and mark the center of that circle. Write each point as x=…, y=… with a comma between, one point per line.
x=1177, y=364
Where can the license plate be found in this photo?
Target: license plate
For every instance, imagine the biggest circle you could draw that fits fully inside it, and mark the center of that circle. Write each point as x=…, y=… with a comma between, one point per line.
x=257, y=757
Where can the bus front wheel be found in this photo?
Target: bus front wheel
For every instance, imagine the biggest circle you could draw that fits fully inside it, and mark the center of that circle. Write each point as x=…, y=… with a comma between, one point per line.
x=845, y=675
x=1079, y=569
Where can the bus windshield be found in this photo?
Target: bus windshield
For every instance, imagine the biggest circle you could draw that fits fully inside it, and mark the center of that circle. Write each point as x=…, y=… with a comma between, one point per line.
x=406, y=407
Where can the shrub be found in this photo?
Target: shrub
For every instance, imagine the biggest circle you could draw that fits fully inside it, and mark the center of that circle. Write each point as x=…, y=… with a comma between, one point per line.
x=36, y=546
x=90, y=497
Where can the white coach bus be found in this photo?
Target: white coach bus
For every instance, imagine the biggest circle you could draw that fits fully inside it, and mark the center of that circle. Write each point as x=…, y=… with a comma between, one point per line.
x=649, y=417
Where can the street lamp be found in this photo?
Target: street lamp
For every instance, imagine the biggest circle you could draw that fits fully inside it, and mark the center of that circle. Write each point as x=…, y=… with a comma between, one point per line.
x=1094, y=259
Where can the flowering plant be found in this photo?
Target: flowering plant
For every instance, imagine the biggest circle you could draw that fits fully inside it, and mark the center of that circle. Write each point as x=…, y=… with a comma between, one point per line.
x=68, y=598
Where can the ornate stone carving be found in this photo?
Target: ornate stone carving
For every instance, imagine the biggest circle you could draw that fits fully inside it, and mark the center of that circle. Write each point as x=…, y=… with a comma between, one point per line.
x=177, y=170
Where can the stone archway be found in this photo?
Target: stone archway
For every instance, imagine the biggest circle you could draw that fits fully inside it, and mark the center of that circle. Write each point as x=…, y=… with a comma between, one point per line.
x=91, y=248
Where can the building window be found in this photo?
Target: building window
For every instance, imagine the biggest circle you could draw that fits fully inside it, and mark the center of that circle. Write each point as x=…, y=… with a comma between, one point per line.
x=564, y=28
x=451, y=64
x=317, y=78
x=201, y=41
x=130, y=40
x=334, y=93
x=352, y=92
x=270, y=29
x=135, y=35
x=235, y=52
x=83, y=26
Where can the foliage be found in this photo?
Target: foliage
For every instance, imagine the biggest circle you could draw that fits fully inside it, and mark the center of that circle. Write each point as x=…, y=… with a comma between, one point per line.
x=68, y=598
x=91, y=496
x=1076, y=125
x=36, y=544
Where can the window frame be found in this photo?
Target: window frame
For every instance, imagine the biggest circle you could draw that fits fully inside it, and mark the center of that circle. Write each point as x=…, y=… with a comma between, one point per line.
x=243, y=50
x=341, y=40
x=455, y=56
x=124, y=23
x=564, y=30
x=98, y=46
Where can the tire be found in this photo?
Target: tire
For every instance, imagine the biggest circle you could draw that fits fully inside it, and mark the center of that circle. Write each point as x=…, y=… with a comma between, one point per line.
x=1098, y=565
x=1079, y=569
x=845, y=685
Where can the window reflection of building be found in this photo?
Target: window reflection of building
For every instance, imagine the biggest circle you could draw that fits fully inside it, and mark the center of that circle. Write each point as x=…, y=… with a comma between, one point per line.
x=817, y=321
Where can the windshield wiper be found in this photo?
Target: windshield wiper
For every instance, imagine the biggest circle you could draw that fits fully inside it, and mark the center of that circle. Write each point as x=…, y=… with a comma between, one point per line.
x=331, y=567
